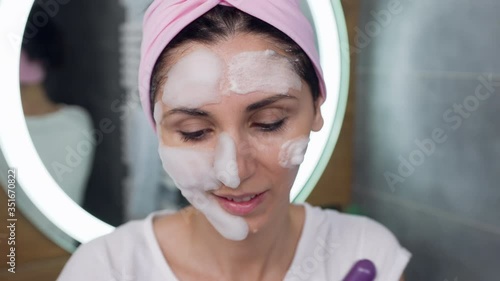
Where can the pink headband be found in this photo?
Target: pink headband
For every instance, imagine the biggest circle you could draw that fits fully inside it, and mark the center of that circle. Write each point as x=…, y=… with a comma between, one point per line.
x=164, y=19
x=30, y=72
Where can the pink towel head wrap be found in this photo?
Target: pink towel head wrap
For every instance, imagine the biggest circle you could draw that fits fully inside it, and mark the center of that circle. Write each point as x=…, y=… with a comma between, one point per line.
x=30, y=72
x=164, y=19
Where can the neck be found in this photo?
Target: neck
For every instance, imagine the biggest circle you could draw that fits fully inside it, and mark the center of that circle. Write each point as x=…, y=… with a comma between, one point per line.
x=266, y=252
x=35, y=101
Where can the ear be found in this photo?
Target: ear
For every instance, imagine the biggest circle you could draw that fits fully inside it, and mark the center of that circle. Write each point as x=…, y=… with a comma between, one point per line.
x=318, y=118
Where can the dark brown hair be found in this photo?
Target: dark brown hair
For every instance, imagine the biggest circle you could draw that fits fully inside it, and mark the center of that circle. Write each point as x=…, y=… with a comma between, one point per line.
x=220, y=23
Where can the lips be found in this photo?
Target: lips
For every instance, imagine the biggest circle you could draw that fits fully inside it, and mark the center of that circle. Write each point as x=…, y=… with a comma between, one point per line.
x=239, y=199
x=240, y=205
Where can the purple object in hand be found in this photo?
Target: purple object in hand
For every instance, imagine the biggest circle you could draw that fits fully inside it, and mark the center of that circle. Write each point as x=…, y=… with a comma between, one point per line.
x=363, y=270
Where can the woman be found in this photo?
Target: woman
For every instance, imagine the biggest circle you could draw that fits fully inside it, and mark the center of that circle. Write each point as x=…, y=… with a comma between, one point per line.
x=233, y=89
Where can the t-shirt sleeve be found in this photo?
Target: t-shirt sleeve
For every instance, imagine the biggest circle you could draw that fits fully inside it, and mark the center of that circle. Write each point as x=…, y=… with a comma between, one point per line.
x=384, y=250
x=88, y=262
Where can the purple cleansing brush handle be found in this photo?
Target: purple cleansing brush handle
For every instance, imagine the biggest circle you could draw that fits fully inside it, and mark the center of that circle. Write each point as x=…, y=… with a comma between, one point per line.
x=363, y=270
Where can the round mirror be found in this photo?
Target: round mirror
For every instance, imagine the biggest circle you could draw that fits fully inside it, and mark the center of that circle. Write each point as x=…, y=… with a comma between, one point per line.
x=54, y=193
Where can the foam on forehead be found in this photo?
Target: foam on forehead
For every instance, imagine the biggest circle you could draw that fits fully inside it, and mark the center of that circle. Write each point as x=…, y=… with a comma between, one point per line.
x=194, y=80
x=164, y=19
x=262, y=71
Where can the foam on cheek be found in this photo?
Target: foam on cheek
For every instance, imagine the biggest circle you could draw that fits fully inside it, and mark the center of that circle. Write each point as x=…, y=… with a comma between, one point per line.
x=194, y=174
x=225, y=165
x=190, y=169
x=264, y=71
x=292, y=152
x=194, y=80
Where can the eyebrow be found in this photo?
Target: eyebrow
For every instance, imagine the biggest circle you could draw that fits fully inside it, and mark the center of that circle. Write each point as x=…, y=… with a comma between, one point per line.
x=189, y=111
x=196, y=112
x=268, y=101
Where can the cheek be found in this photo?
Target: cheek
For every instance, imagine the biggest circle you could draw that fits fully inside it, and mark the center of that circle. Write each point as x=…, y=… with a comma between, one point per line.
x=292, y=152
x=190, y=169
x=279, y=160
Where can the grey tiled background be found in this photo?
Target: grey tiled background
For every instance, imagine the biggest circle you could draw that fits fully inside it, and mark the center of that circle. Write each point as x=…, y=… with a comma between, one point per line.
x=418, y=64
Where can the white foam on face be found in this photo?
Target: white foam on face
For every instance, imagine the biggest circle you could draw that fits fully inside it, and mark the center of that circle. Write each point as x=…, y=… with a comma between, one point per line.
x=292, y=152
x=158, y=112
x=225, y=164
x=194, y=174
x=194, y=80
x=158, y=116
x=262, y=71
x=229, y=226
x=189, y=168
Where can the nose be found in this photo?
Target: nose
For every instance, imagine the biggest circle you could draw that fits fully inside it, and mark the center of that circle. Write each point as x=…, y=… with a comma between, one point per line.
x=246, y=159
x=234, y=160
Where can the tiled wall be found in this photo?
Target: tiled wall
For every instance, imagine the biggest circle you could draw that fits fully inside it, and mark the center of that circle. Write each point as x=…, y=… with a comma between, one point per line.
x=427, y=152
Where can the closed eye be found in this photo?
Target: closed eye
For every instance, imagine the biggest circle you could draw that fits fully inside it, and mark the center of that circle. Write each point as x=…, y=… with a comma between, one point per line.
x=194, y=136
x=271, y=127
x=200, y=135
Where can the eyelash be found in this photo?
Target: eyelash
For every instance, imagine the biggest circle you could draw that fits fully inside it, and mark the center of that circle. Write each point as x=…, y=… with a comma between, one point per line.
x=194, y=136
x=273, y=127
x=265, y=128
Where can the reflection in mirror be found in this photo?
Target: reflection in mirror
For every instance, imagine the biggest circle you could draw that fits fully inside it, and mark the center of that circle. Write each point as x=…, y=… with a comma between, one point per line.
x=61, y=133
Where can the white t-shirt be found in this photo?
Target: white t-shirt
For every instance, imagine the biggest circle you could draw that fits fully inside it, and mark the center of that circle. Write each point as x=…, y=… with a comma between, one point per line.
x=64, y=142
x=330, y=244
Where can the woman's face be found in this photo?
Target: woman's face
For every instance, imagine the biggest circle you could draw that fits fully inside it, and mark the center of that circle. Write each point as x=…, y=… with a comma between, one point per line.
x=240, y=105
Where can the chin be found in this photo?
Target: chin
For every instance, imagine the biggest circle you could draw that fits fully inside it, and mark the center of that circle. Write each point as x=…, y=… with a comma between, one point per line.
x=268, y=216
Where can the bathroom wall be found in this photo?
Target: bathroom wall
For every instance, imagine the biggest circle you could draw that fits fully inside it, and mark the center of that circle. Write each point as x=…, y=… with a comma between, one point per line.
x=427, y=150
